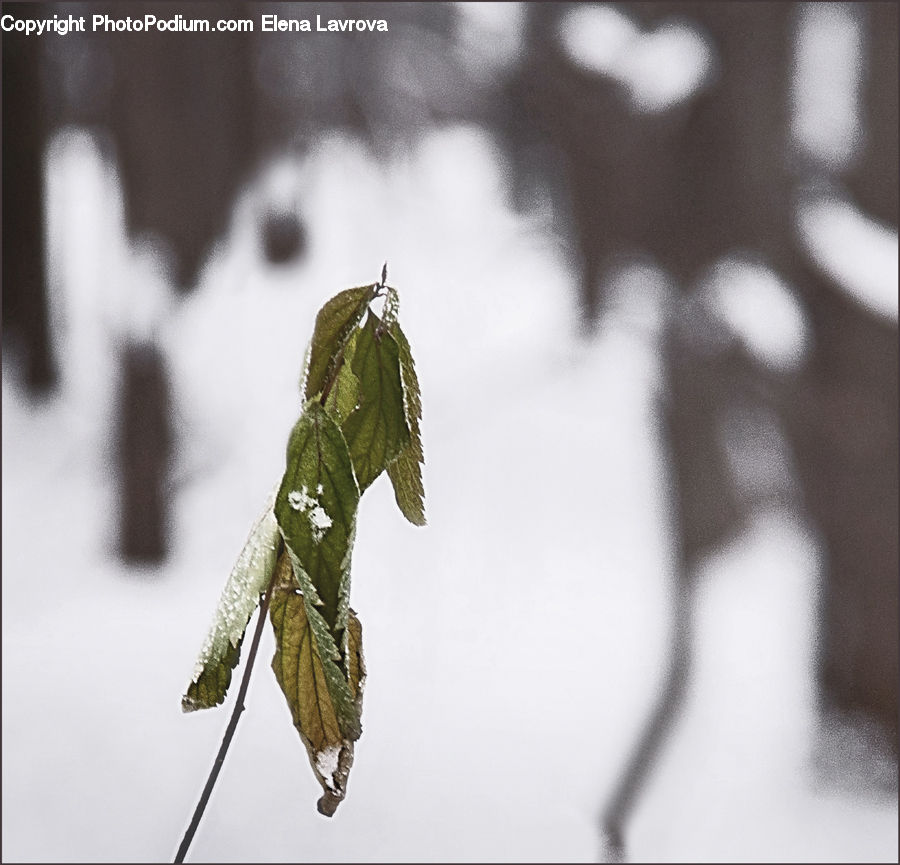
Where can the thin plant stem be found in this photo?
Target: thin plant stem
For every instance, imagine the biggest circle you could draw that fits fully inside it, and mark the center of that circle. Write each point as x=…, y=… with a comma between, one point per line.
x=232, y=725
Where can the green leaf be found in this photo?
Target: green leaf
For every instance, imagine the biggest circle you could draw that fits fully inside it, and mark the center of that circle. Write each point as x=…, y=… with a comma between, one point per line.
x=376, y=431
x=361, y=417
x=335, y=322
x=316, y=510
x=305, y=673
x=356, y=665
x=391, y=308
x=209, y=688
x=344, y=395
x=336, y=677
x=222, y=648
x=405, y=471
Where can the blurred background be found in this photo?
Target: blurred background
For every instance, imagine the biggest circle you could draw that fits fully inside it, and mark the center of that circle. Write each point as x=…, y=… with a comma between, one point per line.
x=647, y=260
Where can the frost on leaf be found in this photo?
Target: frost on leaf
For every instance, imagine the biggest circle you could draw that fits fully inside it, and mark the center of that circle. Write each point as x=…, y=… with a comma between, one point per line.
x=222, y=646
x=376, y=431
x=316, y=509
x=325, y=703
x=391, y=308
x=335, y=323
x=405, y=471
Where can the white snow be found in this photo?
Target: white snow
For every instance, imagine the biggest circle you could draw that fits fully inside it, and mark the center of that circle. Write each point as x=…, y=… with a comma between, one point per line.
x=300, y=500
x=490, y=641
x=319, y=521
x=327, y=764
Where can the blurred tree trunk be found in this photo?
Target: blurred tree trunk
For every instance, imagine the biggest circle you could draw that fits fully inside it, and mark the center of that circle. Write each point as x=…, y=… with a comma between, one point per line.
x=607, y=157
x=843, y=418
x=25, y=306
x=874, y=180
x=730, y=170
x=183, y=126
x=702, y=179
x=143, y=444
x=708, y=178
x=732, y=190
x=736, y=194
x=731, y=196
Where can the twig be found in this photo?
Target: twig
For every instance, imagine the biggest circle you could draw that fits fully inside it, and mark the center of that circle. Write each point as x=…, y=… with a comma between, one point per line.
x=232, y=725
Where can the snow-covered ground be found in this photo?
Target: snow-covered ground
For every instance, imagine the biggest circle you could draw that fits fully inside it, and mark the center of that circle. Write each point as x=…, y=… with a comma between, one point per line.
x=514, y=645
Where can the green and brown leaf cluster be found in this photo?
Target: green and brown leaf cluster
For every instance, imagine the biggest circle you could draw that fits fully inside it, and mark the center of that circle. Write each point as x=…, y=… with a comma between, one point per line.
x=361, y=418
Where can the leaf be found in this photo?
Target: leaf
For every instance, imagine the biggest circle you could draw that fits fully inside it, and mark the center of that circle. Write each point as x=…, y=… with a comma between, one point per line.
x=302, y=671
x=330, y=656
x=209, y=688
x=391, y=308
x=405, y=471
x=316, y=509
x=376, y=431
x=344, y=395
x=222, y=648
x=355, y=662
x=335, y=322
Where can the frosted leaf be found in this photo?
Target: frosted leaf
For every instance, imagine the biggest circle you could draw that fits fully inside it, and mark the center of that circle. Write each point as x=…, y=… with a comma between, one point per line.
x=391, y=307
x=317, y=536
x=248, y=579
x=305, y=374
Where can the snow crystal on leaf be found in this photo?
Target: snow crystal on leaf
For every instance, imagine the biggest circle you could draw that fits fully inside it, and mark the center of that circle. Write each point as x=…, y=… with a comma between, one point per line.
x=301, y=500
x=327, y=764
x=319, y=521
